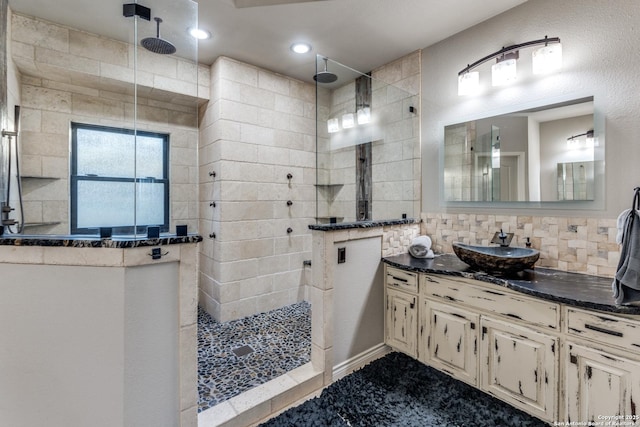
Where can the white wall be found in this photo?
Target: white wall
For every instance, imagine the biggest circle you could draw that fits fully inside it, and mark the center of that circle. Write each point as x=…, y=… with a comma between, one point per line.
x=151, y=346
x=358, y=299
x=62, y=346
x=90, y=346
x=598, y=39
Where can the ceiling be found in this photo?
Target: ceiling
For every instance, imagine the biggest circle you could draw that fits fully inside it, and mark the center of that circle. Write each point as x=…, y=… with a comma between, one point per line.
x=362, y=34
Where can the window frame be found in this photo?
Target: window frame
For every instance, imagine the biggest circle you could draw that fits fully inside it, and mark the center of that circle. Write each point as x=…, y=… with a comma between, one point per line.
x=75, y=179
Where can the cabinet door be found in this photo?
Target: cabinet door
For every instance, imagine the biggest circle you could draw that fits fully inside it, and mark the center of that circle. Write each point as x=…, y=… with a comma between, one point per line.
x=600, y=384
x=448, y=340
x=520, y=366
x=402, y=322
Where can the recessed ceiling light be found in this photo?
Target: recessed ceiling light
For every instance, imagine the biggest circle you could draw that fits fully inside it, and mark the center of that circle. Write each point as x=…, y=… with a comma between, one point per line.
x=199, y=34
x=301, y=47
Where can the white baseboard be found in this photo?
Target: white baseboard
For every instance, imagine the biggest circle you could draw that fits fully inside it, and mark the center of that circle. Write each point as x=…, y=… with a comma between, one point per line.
x=359, y=360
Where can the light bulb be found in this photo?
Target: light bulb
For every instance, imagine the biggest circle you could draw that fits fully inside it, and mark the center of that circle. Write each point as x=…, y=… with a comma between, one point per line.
x=333, y=126
x=348, y=121
x=547, y=58
x=503, y=72
x=364, y=115
x=469, y=83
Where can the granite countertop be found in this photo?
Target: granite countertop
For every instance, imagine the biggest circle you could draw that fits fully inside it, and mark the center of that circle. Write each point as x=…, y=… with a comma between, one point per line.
x=574, y=289
x=361, y=224
x=94, y=241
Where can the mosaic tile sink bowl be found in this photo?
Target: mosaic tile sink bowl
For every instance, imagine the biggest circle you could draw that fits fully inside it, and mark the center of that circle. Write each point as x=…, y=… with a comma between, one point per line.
x=496, y=259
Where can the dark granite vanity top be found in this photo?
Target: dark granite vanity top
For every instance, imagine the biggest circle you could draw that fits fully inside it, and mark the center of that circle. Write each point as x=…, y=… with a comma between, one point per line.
x=93, y=241
x=362, y=224
x=574, y=289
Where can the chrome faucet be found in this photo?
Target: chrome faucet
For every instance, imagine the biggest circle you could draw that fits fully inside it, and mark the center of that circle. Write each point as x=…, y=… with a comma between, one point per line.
x=501, y=238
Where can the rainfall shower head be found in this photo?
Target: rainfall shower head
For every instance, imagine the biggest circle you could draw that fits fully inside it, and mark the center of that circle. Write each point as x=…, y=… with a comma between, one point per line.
x=325, y=76
x=156, y=44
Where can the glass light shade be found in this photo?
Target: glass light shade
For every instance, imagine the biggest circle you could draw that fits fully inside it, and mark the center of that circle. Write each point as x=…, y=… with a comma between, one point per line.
x=547, y=58
x=495, y=158
x=589, y=142
x=333, y=126
x=348, y=121
x=503, y=72
x=469, y=83
x=364, y=116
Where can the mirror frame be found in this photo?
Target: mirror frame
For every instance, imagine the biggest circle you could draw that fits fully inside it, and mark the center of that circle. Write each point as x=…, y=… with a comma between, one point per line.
x=598, y=203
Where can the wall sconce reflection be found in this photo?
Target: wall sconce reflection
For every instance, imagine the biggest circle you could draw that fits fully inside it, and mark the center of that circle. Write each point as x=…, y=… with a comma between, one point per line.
x=576, y=141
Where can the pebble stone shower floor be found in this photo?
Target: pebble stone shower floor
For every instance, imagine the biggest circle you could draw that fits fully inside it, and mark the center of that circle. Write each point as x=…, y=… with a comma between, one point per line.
x=236, y=356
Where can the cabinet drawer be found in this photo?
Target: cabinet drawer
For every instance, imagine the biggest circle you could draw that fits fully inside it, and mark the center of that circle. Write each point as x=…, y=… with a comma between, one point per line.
x=400, y=279
x=608, y=329
x=493, y=299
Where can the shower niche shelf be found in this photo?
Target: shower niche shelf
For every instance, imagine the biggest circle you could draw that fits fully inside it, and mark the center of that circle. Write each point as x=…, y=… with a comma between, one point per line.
x=39, y=177
x=329, y=191
x=327, y=219
x=41, y=224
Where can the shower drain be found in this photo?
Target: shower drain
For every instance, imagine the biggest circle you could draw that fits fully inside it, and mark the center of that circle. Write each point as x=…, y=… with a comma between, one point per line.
x=242, y=351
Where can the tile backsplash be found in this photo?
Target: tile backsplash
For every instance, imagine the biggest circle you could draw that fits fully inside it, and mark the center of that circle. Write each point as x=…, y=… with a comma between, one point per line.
x=574, y=244
x=396, y=239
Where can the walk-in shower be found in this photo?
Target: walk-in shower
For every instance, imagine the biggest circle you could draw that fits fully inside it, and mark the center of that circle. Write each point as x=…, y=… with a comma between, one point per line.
x=367, y=146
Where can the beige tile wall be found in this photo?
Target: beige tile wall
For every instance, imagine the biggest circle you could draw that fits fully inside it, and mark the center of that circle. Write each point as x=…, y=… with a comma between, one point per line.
x=67, y=55
x=396, y=158
x=257, y=128
x=575, y=244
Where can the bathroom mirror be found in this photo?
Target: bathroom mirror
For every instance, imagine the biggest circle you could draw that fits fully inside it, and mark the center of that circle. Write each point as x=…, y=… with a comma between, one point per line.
x=545, y=154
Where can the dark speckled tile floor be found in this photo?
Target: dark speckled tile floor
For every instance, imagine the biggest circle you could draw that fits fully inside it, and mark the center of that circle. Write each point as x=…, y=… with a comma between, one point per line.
x=236, y=356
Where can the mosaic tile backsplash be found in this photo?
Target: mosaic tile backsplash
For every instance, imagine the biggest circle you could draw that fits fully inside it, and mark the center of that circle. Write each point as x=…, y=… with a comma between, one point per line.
x=574, y=244
x=396, y=239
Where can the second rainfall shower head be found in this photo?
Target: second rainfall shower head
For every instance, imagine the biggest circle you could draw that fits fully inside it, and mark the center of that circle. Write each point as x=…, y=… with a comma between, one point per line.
x=157, y=44
x=325, y=76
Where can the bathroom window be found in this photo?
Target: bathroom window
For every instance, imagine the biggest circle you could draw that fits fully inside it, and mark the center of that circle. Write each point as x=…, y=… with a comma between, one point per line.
x=119, y=179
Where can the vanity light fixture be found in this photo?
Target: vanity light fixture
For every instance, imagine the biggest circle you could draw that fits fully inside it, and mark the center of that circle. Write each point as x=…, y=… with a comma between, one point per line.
x=546, y=58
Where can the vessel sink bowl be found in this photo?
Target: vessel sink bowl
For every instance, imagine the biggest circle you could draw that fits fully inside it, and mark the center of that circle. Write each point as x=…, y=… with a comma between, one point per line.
x=496, y=259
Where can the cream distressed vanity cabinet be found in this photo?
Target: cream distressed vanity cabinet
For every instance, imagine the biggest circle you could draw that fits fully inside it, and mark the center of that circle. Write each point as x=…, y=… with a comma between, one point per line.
x=554, y=361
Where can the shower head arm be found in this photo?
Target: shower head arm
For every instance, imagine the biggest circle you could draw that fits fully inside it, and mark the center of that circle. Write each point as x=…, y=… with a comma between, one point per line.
x=158, y=21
